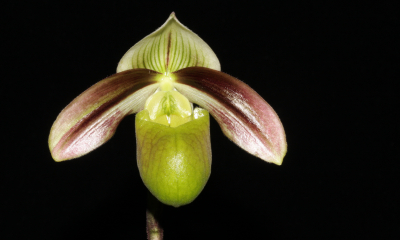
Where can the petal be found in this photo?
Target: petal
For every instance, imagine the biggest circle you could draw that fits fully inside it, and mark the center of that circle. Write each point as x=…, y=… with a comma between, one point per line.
x=92, y=118
x=170, y=48
x=244, y=116
x=174, y=162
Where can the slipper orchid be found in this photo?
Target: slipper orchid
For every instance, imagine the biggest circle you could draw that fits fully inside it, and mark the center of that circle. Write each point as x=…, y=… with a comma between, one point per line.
x=160, y=78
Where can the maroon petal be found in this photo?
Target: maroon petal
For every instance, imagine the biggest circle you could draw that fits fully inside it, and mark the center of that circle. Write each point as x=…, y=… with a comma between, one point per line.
x=243, y=115
x=92, y=118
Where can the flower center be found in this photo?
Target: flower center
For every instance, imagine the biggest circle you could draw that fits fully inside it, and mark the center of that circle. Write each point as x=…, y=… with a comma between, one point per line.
x=168, y=106
x=166, y=82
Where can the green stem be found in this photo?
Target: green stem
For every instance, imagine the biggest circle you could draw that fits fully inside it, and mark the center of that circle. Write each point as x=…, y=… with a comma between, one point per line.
x=153, y=215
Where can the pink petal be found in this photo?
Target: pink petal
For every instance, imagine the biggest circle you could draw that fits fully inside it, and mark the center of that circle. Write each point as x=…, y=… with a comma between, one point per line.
x=243, y=115
x=92, y=118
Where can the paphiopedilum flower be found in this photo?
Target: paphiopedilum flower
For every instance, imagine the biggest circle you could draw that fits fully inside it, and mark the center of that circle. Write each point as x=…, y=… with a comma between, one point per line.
x=160, y=78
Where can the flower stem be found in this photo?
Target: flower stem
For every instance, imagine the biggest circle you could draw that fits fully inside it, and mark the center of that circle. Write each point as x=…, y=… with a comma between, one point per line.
x=153, y=215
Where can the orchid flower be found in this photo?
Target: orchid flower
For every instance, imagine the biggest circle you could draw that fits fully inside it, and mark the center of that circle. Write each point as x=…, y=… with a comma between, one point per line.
x=160, y=78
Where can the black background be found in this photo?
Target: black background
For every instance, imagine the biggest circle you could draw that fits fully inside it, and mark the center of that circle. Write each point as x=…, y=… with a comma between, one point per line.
x=329, y=70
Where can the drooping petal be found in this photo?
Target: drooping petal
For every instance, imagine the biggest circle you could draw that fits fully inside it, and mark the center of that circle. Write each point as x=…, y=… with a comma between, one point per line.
x=174, y=162
x=244, y=116
x=170, y=48
x=92, y=118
